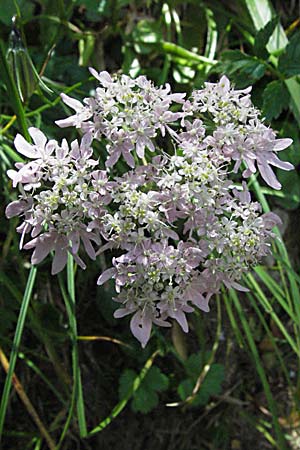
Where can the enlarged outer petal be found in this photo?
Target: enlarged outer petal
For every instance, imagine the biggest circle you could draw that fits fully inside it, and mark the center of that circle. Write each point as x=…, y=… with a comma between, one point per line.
x=281, y=144
x=72, y=102
x=104, y=77
x=121, y=312
x=106, y=275
x=179, y=316
x=234, y=285
x=24, y=148
x=38, y=137
x=271, y=220
x=140, y=326
x=43, y=246
x=193, y=293
x=275, y=161
x=16, y=208
x=269, y=176
x=60, y=256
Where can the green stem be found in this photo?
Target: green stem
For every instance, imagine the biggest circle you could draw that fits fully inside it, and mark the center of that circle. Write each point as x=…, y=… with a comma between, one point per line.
x=173, y=49
x=75, y=358
x=16, y=344
x=77, y=394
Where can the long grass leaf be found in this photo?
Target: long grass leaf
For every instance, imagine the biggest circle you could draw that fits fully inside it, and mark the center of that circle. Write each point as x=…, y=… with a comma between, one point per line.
x=16, y=345
x=281, y=444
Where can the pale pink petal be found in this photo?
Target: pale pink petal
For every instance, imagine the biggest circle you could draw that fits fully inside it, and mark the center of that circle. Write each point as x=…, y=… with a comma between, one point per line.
x=38, y=137
x=269, y=176
x=68, y=122
x=281, y=144
x=121, y=312
x=44, y=245
x=140, y=326
x=16, y=208
x=106, y=275
x=24, y=147
x=59, y=260
x=72, y=102
x=181, y=319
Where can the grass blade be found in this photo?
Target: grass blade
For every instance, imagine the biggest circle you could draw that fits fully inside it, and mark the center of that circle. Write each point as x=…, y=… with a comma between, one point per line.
x=281, y=444
x=16, y=344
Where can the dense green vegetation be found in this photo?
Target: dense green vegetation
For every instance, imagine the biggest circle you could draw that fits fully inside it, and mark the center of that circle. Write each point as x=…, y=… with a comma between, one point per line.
x=76, y=377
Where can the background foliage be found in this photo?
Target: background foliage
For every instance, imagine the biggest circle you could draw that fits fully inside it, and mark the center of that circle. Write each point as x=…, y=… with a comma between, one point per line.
x=234, y=381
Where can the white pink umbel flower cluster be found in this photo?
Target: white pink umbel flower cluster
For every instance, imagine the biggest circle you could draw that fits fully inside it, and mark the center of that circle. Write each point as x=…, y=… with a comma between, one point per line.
x=179, y=225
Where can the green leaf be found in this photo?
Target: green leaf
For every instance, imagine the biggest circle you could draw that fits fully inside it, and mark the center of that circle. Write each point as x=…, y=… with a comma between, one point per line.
x=212, y=385
x=155, y=380
x=185, y=388
x=261, y=13
x=289, y=61
x=276, y=98
x=144, y=400
x=243, y=69
x=126, y=381
x=290, y=185
x=8, y=10
x=193, y=365
x=262, y=38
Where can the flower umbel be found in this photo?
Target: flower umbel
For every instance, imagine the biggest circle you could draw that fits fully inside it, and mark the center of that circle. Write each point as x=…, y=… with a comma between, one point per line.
x=180, y=227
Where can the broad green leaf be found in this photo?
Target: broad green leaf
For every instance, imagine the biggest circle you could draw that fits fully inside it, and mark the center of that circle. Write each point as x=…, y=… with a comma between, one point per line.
x=193, y=365
x=185, y=388
x=8, y=10
x=261, y=13
x=155, y=380
x=289, y=61
x=262, y=38
x=144, y=400
x=212, y=385
x=126, y=381
x=275, y=99
x=243, y=69
x=291, y=185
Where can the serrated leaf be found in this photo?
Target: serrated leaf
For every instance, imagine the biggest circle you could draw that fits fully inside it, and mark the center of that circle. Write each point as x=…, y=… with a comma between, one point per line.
x=155, y=380
x=214, y=379
x=212, y=385
x=243, y=69
x=194, y=364
x=185, y=388
x=144, y=400
x=262, y=38
x=275, y=99
x=126, y=381
x=261, y=13
x=289, y=61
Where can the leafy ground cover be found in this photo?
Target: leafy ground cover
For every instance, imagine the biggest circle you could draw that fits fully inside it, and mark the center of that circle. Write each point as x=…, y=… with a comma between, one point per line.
x=76, y=377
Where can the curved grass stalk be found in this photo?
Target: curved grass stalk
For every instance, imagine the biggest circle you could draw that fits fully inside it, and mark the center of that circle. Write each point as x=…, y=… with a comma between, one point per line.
x=121, y=405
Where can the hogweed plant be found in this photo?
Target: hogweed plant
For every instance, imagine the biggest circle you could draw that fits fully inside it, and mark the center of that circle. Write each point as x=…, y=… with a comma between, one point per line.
x=181, y=218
